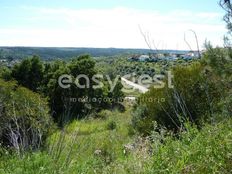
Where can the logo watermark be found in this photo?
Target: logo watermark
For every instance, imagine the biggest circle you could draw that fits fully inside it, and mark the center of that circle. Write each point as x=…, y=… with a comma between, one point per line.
x=130, y=82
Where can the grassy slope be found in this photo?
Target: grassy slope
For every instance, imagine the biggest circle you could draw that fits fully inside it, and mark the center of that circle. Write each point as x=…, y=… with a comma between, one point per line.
x=206, y=151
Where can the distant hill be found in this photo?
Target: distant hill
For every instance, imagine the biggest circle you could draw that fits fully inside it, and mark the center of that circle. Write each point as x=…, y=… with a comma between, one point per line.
x=49, y=53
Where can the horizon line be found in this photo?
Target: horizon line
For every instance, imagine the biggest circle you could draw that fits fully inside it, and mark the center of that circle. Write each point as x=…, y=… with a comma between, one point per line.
x=2, y=46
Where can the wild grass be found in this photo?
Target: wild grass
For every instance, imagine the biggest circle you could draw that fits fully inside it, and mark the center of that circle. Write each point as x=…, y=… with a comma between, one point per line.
x=196, y=151
x=89, y=146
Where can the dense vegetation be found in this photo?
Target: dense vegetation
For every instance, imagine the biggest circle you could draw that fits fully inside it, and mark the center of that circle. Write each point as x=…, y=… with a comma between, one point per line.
x=42, y=77
x=178, y=104
x=184, y=127
x=24, y=117
x=88, y=146
x=12, y=53
x=176, y=135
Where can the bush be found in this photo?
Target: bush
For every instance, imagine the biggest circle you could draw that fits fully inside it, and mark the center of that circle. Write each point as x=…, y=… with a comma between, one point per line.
x=218, y=64
x=111, y=125
x=24, y=118
x=196, y=151
x=5, y=73
x=193, y=98
x=140, y=120
x=104, y=114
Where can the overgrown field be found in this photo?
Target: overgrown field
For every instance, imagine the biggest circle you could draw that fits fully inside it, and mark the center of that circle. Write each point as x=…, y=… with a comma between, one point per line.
x=108, y=145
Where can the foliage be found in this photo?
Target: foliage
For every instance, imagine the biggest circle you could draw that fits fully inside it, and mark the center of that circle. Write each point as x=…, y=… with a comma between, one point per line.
x=196, y=151
x=171, y=107
x=5, y=73
x=86, y=100
x=50, y=88
x=140, y=121
x=86, y=146
x=24, y=117
x=218, y=60
x=53, y=53
x=218, y=65
x=29, y=73
x=103, y=114
x=111, y=125
x=43, y=78
x=226, y=5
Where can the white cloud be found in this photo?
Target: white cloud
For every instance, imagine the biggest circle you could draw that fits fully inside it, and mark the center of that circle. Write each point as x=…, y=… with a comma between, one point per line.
x=117, y=27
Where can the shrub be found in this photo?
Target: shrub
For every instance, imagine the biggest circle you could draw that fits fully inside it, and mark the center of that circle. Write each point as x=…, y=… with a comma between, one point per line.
x=24, y=118
x=111, y=125
x=5, y=73
x=218, y=65
x=196, y=151
x=140, y=120
x=104, y=114
x=193, y=98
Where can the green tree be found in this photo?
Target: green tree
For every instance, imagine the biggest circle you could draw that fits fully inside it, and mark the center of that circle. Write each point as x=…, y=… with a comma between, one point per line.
x=73, y=102
x=117, y=95
x=226, y=5
x=5, y=73
x=29, y=73
x=57, y=96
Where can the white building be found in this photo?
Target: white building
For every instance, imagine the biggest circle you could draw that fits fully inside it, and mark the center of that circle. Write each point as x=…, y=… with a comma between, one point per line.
x=143, y=58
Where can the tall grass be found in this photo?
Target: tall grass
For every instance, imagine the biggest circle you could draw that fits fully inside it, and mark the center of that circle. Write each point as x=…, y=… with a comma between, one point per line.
x=73, y=150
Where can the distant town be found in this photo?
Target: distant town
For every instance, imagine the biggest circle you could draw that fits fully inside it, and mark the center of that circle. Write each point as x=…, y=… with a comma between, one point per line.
x=166, y=56
x=9, y=56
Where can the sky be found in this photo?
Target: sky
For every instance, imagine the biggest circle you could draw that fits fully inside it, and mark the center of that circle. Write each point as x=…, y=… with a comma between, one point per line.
x=111, y=23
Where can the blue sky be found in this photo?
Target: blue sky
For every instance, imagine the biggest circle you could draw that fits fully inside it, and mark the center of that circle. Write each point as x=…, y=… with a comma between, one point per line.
x=109, y=23
x=162, y=5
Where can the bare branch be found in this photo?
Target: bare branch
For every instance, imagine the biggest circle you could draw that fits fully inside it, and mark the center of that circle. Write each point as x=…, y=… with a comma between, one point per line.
x=146, y=37
x=197, y=42
x=187, y=42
